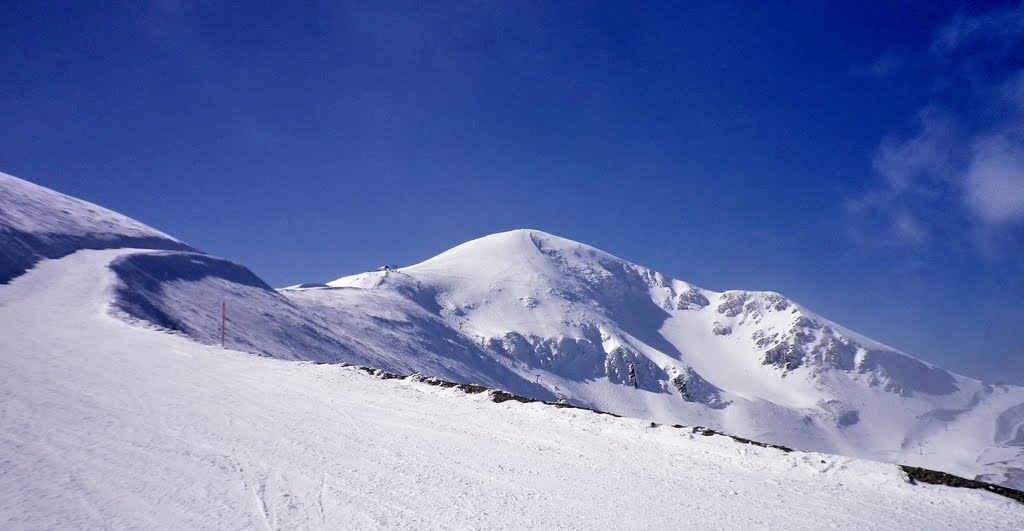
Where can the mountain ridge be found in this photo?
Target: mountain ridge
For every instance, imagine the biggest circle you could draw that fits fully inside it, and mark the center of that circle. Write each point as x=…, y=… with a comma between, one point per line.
x=38, y=223
x=517, y=251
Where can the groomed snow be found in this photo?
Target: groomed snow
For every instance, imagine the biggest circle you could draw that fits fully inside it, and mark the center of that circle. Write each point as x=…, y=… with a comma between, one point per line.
x=104, y=424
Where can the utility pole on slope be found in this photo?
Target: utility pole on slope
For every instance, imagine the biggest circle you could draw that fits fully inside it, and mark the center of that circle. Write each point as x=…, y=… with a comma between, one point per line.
x=223, y=321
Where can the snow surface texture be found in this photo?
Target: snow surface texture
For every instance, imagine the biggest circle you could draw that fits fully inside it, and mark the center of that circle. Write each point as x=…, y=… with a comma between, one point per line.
x=37, y=223
x=104, y=424
x=546, y=317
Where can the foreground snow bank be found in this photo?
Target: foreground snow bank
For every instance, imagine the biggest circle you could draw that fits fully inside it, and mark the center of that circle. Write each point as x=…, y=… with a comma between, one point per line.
x=105, y=424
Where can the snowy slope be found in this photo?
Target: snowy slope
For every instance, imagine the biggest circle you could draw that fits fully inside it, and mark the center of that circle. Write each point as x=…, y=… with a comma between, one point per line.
x=608, y=334
x=37, y=223
x=106, y=424
x=186, y=292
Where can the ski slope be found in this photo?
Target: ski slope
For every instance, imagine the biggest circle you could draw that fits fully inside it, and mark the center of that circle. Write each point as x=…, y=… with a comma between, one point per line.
x=106, y=424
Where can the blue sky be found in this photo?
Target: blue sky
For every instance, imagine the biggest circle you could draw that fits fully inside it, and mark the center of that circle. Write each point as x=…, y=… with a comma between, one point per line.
x=865, y=159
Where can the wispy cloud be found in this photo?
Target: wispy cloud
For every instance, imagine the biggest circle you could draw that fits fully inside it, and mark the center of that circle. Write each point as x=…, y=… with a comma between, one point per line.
x=908, y=228
x=887, y=64
x=908, y=163
x=996, y=29
x=994, y=182
x=961, y=167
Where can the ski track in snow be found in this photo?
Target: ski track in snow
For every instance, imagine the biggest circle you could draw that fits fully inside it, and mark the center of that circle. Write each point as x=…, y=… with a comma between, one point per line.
x=104, y=424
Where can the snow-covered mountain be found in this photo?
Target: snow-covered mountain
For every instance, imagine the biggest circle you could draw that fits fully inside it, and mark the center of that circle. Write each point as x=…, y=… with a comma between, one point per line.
x=546, y=317
x=109, y=425
x=602, y=332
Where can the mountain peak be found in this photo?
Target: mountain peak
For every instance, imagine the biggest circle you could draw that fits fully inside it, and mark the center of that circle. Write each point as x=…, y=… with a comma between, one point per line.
x=515, y=243
x=523, y=253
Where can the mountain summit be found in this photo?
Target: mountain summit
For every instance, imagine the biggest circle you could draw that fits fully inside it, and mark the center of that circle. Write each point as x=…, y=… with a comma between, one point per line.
x=521, y=289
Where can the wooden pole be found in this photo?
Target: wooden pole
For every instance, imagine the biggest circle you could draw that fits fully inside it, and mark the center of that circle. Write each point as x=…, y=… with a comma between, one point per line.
x=223, y=321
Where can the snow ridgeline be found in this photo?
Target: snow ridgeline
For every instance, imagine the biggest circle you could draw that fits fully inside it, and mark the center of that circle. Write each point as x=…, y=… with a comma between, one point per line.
x=38, y=223
x=187, y=292
x=109, y=424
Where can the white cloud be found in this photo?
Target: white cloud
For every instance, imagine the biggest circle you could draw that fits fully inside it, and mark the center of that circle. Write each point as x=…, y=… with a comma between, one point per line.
x=908, y=228
x=994, y=182
x=962, y=167
x=905, y=163
x=994, y=178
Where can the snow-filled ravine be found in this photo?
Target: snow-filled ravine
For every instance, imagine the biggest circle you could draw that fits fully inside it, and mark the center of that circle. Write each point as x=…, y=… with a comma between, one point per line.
x=109, y=424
